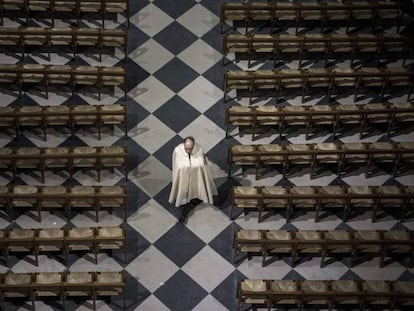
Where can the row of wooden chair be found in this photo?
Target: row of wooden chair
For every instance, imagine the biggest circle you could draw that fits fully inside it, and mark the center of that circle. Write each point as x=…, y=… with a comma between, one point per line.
x=62, y=285
x=74, y=37
x=324, y=46
x=71, y=158
x=46, y=75
x=66, y=241
x=320, y=199
x=399, y=155
x=71, y=117
x=62, y=199
x=55, y=8
x=326, y=294
x=262, y=82
x=324, y=243
x=336, y=117
x=277, y=13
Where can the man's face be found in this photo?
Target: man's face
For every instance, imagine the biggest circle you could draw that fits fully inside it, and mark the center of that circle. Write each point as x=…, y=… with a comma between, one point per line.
x=188, y=146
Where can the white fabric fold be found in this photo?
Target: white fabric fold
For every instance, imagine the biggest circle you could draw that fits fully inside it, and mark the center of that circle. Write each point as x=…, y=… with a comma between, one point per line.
x=191, y=178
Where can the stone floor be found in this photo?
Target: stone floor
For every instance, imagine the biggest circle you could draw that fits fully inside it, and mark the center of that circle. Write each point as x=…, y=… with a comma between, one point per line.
x=175, y=77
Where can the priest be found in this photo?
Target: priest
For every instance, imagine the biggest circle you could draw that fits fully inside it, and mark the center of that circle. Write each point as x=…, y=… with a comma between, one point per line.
x=192, y=182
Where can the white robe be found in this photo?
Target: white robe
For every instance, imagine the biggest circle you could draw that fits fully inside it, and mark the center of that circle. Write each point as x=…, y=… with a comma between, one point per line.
x=191, y=178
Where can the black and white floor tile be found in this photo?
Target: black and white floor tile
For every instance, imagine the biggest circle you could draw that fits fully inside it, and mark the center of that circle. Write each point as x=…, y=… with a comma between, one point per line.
x=175, y=74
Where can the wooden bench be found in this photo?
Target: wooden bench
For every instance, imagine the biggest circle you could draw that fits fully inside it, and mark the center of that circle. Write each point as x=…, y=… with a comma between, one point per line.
x=317, y=46
x=312, y=118
x=55, y=8
x=71, y=117
x=73, y=37
x=331, y=81
x=63, y=199
x=348, y=199
x=62, y=285
x=399, y=155
x=324, y=243
x=71, y=158
x=326, y=294
x=63, y=75
x=62, y=241
x=298, y=14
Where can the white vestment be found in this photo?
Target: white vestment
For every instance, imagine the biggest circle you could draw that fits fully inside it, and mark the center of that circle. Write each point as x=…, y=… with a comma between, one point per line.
x=191, y=178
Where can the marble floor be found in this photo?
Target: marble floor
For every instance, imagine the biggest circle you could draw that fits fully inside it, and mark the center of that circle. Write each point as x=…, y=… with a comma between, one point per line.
x=175, y=76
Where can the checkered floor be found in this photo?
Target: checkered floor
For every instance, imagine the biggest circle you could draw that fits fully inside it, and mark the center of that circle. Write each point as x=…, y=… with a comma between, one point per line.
x=175, y=76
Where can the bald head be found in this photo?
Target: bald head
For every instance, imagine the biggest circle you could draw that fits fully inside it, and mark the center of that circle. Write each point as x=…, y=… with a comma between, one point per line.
x=189, y=144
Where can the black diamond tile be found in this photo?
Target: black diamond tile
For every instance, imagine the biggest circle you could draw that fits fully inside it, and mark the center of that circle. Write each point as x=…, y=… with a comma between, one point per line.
x=213, y=5
x=162, y=199
x=135, y=112
x=174, y=8
x=180, y=292
x=136, y=154
x=226, y=292
x=216, y=73
x=293, y=275
x=223, y=199
x=176, y=75
x=175, y=38
x=223, y=242
x=176, y=113
x=136, y=37
x=406, y=276
x=25, y=100
x=135, y=294
x=288, y=226
x=75, y=100
x=135, y=198
x=136, y=245
x=164, y=154
x=349, y=275
x=135, y=6
x=217, y=113
x=21, y=142
x=179, y=244
x=214, y=38
x=218, y=154
x=135, y=73
x=73, y=141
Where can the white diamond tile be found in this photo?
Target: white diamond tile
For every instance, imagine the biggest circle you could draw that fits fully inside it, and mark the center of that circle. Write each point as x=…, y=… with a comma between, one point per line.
x=152, y=220
x=206, y=132
x=369, y=270
x=201, y=94
x=311, y=270
x=306, y=222
x=151, y=20
x=105, y=263
x=87, y=219
x=253, y=269
x=206, y=221
x=151, y=94
x=151, y=56
x=198, y=20
x=208, y=268
x=151, y=134
x=363, y=222
x=46, y=264
x=152, y=176
x=200, y=56
x=28, y=220
x=209, y=303
x=152, y=269
x=152, y=304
